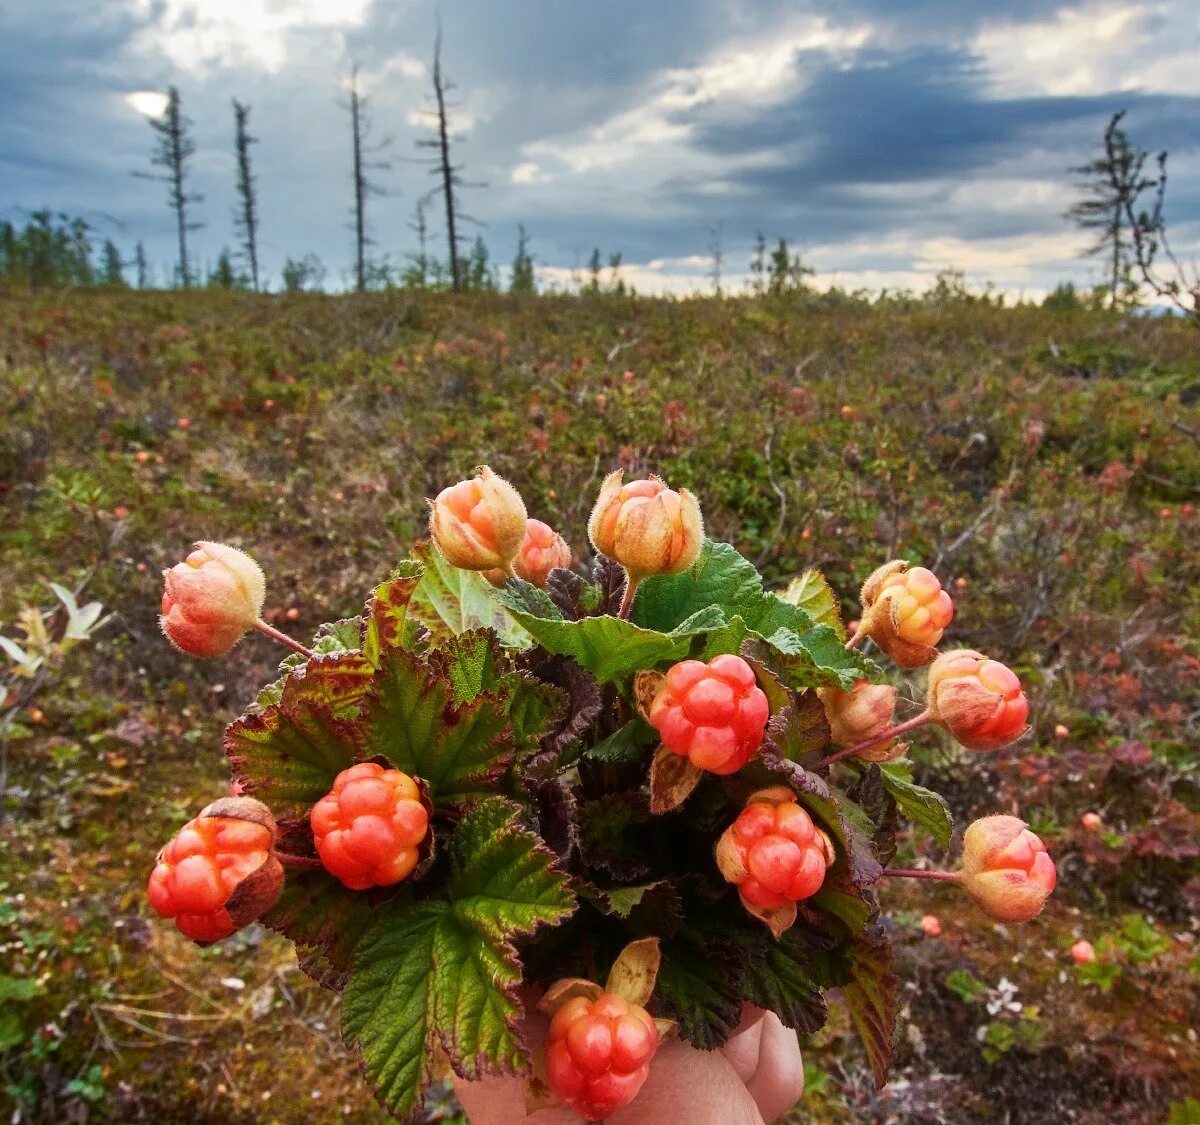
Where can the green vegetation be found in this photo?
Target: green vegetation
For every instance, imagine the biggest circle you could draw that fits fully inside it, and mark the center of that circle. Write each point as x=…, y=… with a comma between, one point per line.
x=1044, y=461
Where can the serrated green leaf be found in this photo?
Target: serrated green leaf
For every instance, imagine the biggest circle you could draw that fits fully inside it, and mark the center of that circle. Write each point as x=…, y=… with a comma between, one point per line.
x=410, y=717
x=812, y=593
x=719, y=577
x=780, y=979
x=449, y=601
x=442, y=975
x=608, y=647
x=338, y=682
x=325, y=920
x=917, y=804
x=288, y=754
x=699, y=985
x=621, y=901
x=870, y=997
x=816, y=658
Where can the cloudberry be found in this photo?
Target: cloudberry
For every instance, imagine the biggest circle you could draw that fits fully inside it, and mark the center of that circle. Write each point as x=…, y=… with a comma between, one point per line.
x=211, y=599
x=860, y=714
x=905, y=611
x=1083, y=952
x=646, y=526
x=713, y=714
x=220, y=872
x=598, y=1053
x=1006, y=869
x=479, y=524
x=369, y=827
x=775, y=856
x=979, y=701
x=542, y=550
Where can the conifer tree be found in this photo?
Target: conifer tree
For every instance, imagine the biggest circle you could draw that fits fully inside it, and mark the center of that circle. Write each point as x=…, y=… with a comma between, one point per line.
x=173, y=154
x=522, y=267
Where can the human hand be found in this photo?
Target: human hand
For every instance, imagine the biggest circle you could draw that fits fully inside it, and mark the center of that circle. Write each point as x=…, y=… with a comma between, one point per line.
x=756, y=1077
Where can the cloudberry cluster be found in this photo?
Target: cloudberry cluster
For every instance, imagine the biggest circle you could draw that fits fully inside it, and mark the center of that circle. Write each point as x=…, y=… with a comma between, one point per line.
x=713, y=714
x=598, y=1053
x=368, y=829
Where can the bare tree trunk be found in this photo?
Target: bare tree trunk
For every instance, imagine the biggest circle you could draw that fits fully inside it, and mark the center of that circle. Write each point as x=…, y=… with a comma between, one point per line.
x=447, y=170
x=360, y=189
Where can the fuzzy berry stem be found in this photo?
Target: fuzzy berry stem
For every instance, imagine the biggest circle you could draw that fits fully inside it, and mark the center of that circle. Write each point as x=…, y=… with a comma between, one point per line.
x=631, y=585
x=859, y=635
x=913, y=873
x=304, y=862
x=883, y=736
x=283, y=638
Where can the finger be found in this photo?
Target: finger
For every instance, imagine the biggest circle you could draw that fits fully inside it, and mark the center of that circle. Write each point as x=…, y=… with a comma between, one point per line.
x=778, y=1082
x=742, y=1048
x=692, y=1087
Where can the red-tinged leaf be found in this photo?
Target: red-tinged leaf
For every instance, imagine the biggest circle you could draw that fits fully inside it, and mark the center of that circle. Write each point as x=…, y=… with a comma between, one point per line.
x=388, y=623
x=325, y=920
x=339, y=682
x=870, y=997
x=800, y=730
x=288, y=755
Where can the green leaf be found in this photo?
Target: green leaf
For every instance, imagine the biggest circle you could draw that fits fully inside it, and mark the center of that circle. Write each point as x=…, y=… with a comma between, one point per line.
x=719, y=577
x=815, y=658
x=449, y=601
x=287, y=754
x=781, y=981
x=917, y=804
x=325, y=920
x=442, y=975
x=411, y=718
x=699, y=985
x=19, y=990
x=607, y=647
x=388, y=623
x=812, y=593
x=626, y=745
x=870, y=997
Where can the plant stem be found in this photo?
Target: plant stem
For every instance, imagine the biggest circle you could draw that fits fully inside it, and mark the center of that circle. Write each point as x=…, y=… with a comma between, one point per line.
x=913, y=873
x=283, y=638
x=631, y=585
x=304, y=862
x=859, y=636
x=883, y=736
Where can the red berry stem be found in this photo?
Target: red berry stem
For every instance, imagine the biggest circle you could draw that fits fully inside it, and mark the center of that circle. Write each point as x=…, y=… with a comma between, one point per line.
x=631, y=585
x=304, y=862
x=883, y=736
x=913, y=873
x=283, y=638
x=859, y=635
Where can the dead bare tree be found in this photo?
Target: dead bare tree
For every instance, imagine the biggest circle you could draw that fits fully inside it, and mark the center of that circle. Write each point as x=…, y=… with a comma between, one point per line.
x=364, y=151
x=245, y=215
x=173, y=153
x=442, y=165
x=1178, y=284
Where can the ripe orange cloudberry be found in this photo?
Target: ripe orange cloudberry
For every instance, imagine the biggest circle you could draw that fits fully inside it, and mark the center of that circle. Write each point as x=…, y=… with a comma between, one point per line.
x=598, y=1053
x=368, y=829
x=713, y=714
x=1006, y=869
x=220, y=872
x=775, y=856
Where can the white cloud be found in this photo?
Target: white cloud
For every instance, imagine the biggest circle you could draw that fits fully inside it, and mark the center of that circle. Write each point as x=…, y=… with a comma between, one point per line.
x=199, y=35
x=1095, y=49
x=149, y=103
x=527, y=173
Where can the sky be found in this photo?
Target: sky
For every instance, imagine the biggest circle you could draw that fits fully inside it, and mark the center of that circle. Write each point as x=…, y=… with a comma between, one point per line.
x=887, y=140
